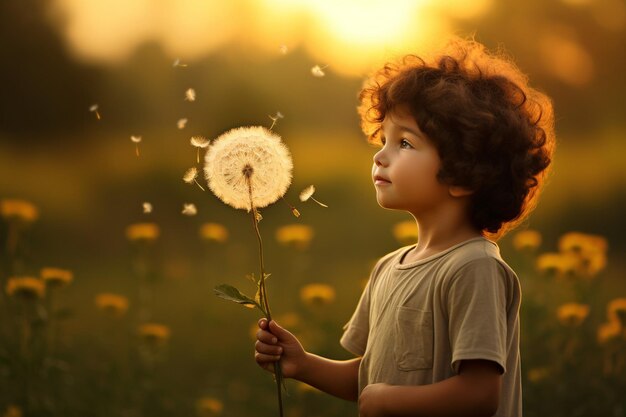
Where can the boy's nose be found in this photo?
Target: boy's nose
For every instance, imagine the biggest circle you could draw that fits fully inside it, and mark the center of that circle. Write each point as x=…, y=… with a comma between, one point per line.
x=379, y=158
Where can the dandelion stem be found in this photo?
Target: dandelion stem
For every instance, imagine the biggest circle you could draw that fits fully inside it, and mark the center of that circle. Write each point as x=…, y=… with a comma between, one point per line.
x=263, y=295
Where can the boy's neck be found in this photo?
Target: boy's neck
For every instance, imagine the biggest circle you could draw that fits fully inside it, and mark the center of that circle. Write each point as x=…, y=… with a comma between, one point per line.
x=439, y=234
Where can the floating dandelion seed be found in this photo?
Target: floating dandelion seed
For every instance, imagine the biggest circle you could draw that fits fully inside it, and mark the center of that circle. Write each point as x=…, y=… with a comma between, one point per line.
x=248, y=163
x=136, y=140
x=190, y=176
x=283, y=49
x=307, y=193
x=178, y=64
x=190, y=94
x=181, y=123
x=318, y=71
x=199, y=142
x=189, y=209
x=94, y=109
x=147, y=208
x=279, y=115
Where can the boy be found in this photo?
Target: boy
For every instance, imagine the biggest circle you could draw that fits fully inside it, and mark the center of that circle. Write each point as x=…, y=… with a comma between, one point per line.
x=466, y=144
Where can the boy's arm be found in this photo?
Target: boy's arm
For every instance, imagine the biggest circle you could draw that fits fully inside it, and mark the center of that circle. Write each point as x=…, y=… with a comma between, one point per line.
x=338, y=378
x=475, y=391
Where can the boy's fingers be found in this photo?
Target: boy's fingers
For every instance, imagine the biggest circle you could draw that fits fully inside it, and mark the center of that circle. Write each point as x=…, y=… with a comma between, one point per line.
x=263, y=359
x=267, y=349
x=263, y=323
x=266, y=337
x=281, y=333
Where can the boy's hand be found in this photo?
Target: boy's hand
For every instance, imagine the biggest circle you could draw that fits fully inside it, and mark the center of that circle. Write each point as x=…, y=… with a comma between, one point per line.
x=277, y=343
x=372, y=400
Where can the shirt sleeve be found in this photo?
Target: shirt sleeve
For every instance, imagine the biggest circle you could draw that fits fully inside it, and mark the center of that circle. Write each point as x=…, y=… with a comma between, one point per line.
x=477, y=313
x=356, y=330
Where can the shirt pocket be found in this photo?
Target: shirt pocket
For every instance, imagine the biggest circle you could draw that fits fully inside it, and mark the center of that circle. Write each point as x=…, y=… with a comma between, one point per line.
x=413, y=349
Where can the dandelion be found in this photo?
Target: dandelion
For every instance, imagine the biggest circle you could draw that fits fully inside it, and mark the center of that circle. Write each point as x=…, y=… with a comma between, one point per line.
x=190, y=94
x=307, y=194
x=209, y=407
x=18, y=210
x=112, y=304
x=527, y=240
x=190, y=176
x=297, y=235
x=56, y=277
x=147, y=208
x=189, y=209
x=136, y=140
x=317, y=294
x=609, y=332
x=275, y=118
x=318, y=71
x=199, y=142
x=154, y=333
x=27, y=288
x=248, y=167
x=582, y=242
x=572, y=314
x=142, y=232
x=214, y=232
x=283, y=49
x=405, y=232
x=178, y=64
x=94, y=109
x=181, y=123
x=617, y=310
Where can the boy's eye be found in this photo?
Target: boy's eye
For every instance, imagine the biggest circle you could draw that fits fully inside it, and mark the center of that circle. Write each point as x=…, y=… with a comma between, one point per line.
x=405, y=144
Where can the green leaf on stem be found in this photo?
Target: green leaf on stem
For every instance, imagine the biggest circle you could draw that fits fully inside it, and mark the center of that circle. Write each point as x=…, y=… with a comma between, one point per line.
x=230, y=293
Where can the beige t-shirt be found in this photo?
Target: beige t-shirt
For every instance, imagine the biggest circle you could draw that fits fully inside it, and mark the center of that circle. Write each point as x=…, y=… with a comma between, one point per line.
x=415, y=322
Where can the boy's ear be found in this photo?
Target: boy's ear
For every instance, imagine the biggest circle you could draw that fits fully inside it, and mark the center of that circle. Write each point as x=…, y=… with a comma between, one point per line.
x=458, y=191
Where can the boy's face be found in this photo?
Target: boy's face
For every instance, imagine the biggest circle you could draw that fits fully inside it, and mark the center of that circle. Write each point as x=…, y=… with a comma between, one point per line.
x=405, y=169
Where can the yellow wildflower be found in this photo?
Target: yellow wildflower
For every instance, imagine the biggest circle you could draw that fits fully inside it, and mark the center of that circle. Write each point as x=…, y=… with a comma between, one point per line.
x=26, y=287
x=113, y=304
x=317, y=294
x=298, y=235
x=288, y=320
x=609, y=332
x=21, y=210
x=154, y=333
x=559, y=264
x=13, y=411
x=527, y=240
x=572, y=314
x=209, y=407
x=617, y=310
x=146, y=232
x=405, y=232
x=56, y=277
x=582, y=242
x=214, y=232
x=537, y=374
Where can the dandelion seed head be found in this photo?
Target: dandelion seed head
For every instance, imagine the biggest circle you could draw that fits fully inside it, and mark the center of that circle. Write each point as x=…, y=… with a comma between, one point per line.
x=93, y=107
x=190, y=175
x=135, y=139
x=317, y=71
x=147, y=208
x=248, y=154
x=181, y=123
x=189, y=209
x=190, y=94
x=199, y=141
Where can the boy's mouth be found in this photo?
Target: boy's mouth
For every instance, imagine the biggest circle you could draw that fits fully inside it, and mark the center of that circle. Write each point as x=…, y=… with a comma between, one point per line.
x=381, y=180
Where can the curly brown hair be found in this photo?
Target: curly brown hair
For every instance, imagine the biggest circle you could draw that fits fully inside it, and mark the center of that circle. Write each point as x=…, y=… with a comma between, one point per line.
x=494, y=133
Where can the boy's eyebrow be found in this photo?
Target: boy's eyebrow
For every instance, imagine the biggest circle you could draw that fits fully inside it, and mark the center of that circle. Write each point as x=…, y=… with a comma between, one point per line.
x=410, y=130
